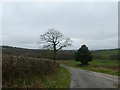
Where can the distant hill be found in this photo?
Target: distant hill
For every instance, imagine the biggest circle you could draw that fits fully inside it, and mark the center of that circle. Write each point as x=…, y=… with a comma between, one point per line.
x=107, y=54
x=39, y=53
x=64, y=54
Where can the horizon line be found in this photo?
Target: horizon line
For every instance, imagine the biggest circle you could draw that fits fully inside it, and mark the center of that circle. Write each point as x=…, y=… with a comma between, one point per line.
x=46, y=49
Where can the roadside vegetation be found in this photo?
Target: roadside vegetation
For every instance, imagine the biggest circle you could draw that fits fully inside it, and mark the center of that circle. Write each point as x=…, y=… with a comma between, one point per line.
x=99, y=65
x=60, y=80
x=83, y=55
x=24, y=68
x=24, y=72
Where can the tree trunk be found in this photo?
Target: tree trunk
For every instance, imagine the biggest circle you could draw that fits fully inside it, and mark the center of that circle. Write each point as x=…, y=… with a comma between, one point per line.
x=84, y=63
x=54, y=56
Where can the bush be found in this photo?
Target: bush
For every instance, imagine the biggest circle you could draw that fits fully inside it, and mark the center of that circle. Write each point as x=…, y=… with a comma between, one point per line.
x=19, y=66
x=83, y=55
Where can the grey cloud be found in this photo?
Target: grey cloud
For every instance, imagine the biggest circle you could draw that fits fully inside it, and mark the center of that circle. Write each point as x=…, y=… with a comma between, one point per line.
x=91, y=23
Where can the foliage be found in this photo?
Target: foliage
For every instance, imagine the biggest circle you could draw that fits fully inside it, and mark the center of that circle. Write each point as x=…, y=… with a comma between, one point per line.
x=14, y=67
x=83, y=55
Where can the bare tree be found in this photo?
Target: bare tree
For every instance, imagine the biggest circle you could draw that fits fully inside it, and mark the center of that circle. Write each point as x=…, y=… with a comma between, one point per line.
x=54, y=40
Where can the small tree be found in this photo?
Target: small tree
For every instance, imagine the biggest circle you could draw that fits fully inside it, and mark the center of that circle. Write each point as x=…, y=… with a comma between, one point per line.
x=54, y=40
x=83, y=55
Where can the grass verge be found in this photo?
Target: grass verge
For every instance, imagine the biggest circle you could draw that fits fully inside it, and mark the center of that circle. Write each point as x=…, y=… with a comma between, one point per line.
x=102, y=66
x=58, y=80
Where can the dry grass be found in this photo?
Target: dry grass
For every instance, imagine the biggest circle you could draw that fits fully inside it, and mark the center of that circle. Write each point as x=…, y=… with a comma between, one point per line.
x=20, y=67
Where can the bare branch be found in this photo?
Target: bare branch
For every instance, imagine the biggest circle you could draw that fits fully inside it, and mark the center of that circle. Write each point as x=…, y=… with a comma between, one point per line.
x=54, y=40
x=67, y=42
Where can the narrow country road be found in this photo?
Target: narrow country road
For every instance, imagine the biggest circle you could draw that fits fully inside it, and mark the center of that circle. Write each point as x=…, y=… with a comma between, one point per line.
x=88, y=79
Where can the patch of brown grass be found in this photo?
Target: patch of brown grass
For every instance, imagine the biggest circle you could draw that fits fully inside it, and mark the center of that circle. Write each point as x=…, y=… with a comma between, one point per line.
x=20, y=67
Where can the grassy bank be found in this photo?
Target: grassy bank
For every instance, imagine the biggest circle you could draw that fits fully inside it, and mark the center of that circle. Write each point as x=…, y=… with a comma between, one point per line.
x=58, y=80
x=25, y=72
x=103, y=66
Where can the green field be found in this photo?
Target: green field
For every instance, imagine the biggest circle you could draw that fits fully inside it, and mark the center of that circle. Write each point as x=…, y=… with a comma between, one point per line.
x=103, y=66
x=106, y=54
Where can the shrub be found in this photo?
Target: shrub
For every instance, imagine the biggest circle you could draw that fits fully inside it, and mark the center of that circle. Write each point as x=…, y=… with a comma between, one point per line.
x=19, y=66
x=83, y=55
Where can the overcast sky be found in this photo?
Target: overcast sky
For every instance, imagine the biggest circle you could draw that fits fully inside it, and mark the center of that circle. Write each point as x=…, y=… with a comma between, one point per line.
x=92, y=23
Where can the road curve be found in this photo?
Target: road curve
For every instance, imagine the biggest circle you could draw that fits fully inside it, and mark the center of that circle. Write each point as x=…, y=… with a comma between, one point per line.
x=89, y=79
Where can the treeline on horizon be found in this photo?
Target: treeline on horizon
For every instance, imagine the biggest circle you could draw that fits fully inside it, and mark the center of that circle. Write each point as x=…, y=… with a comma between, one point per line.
x=106, y=54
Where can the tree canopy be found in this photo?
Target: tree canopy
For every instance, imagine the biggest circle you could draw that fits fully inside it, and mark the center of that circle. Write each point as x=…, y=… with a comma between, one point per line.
x=54, y=40
x=83, y=55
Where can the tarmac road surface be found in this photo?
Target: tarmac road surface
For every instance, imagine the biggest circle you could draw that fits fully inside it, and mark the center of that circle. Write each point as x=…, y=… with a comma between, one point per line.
x=89, y=79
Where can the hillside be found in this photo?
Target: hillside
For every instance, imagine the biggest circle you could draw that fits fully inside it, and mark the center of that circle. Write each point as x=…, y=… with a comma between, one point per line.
x=107, y=54
x=63, y=54
x=48, y=54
